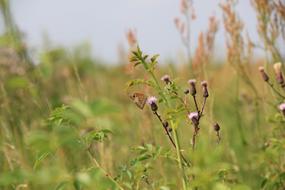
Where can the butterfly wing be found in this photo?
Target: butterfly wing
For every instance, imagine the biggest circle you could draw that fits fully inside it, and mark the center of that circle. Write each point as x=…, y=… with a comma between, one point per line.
x=139, y=99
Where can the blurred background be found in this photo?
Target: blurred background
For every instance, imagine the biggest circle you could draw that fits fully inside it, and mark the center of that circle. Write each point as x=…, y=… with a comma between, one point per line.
x=103, y=24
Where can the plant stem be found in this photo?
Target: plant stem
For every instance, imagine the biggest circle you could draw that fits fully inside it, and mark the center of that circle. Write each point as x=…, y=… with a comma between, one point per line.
x=176, y=140
x=196, y=104
x=203, y=106
x=171, y=139
x=184, y=179
x=276, y=91
x=103, y=170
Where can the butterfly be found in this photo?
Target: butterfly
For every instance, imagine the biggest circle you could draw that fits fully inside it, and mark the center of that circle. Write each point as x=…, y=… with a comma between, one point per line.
x=139, y=99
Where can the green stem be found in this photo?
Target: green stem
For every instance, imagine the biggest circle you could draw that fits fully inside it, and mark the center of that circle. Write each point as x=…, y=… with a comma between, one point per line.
x=176, y=140
x=173, y=126
x=104, y=171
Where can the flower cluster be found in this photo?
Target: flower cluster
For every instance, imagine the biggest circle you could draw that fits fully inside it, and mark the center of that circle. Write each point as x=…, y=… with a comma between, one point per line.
x=279, y=79
x=278, y=74
x=193, y=116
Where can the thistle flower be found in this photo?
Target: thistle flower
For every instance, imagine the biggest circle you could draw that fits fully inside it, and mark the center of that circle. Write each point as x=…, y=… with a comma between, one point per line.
x=166, y=79
x=205, y=89
x=217, y=127
x=194, y=117
x=263, y=74
x=192, y=83
x=282, y=108
x=152, y=102
x=278, y=73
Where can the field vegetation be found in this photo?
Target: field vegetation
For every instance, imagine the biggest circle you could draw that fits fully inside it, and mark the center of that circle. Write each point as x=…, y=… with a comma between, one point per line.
x=73, y=122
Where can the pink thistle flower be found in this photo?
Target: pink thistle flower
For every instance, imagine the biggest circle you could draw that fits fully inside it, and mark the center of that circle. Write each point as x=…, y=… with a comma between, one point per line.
x=152, y=102
x=166, y=79
x=194, y=117
x=263, y=74
x=192, y=83
x=282, y=108
x=205, y=89
x=204, y=83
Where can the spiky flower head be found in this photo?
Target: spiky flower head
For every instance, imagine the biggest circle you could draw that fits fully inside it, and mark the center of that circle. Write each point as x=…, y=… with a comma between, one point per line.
x=205, y=89
x=192, y=89
x=263, y=73
x=152, y=102
x=166, y=79
x=194, y=117
x=204, y=83
x=278, y=72
x=192, y=81
x=282, y=108
x=277, y=67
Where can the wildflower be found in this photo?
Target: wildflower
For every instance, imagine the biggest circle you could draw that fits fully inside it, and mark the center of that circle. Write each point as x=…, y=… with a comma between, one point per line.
x=263, y=74
x=217, y=127
x=192, y=83
x=205, y=89
x=152, y=102
x=194, y=117
x=278, y=73
x=282, y=108
x=166, y=79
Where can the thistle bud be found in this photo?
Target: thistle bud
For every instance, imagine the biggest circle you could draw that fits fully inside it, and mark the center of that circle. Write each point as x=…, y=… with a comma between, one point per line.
x=282, y=108
x=165, y=124
x=263, y=74
x=217, y=127
x=278, y=73
x=194, y=117
x=152, y=102
x=205, y=89
x=166, y=79
x=186, y=91
x=192, y=90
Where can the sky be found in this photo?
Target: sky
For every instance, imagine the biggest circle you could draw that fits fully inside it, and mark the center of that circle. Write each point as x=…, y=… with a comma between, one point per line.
x=103, y=24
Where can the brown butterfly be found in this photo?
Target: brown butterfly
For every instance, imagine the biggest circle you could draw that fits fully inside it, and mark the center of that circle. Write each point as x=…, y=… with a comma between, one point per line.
x=139, y=99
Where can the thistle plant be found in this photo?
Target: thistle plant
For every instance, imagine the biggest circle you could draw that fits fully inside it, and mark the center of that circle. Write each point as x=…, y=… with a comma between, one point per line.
x=275, y=139
x=173, y=102
x=279, y=79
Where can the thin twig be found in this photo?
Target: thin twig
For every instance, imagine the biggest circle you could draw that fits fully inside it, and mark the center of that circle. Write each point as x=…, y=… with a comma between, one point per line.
x=274, y=89
x=170, y=138
x=196, y=104
x=196, y=129
x=103, y=170
x=203, y=107
x=182, y=101
x=219, y=137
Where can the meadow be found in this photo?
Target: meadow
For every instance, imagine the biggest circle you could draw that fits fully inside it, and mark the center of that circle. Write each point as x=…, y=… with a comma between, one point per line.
x=73, y=122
